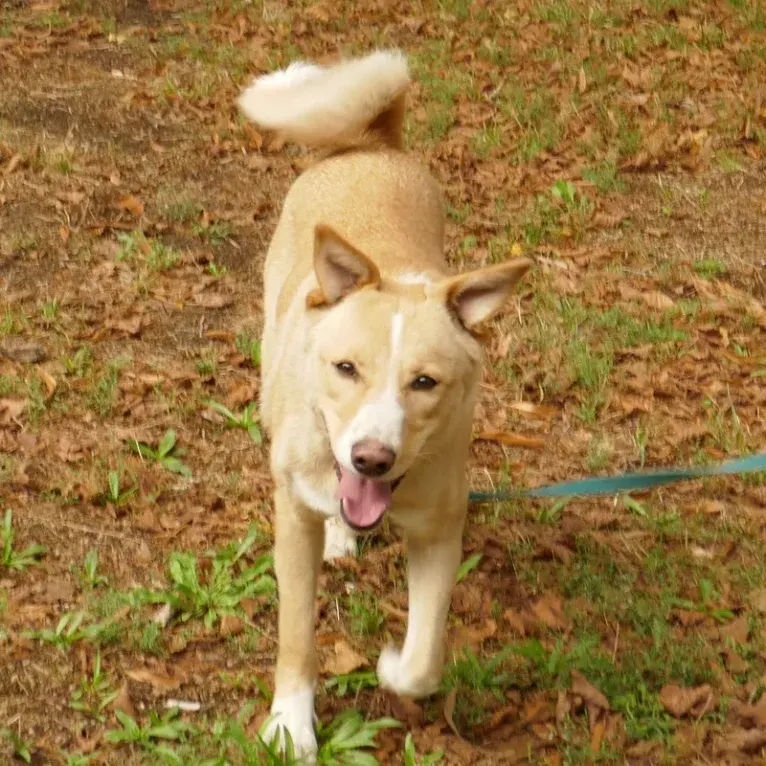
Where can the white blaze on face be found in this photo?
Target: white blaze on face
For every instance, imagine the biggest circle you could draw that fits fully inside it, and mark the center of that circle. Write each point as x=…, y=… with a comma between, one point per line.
x=382, y=418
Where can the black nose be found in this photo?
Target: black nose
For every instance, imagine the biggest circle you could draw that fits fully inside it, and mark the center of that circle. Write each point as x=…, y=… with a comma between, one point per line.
x=372, y=458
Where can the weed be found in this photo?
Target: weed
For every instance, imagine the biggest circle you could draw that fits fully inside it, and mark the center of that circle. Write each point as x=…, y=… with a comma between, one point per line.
x=94, y=694
x=167, y=454
x=249, y=347
x=228, y=581
x=69, y=630
x=18, y=560
x=246, y=420
x=551, y=515
x=80, y=362
x=114, y=493
x=352, y=682
x=156, y=255
x=20, y=748
x=709, y=268
x=604, y=177
x=365, y=616
x=215, y=270
x=411, y=758
x=103, y=394
x=345, y=737
x=49, y=310
x=214, y=233
x=166, y=728
x=89, y=576
x=468, y=566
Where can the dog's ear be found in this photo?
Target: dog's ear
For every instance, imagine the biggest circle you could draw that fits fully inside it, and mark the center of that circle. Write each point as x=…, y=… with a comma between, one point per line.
x=340, y=268
x=478, y=295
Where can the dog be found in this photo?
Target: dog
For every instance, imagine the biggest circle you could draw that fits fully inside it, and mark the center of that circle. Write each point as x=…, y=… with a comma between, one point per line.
x=370, y=364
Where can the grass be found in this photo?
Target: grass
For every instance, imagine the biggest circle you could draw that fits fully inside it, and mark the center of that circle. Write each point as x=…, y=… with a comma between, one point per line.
x=19, y=560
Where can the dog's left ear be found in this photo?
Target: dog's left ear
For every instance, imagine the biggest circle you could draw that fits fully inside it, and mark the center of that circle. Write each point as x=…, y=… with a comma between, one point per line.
x=340, y=268
x=478, y=295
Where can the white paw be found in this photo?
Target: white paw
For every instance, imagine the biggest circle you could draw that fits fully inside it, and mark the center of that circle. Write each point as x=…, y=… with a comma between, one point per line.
x=339, y=540
x=295, y=713
x=394, y=674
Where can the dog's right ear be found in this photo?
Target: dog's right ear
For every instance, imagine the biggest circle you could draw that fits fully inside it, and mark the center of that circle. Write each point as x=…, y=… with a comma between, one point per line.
x=340, y=268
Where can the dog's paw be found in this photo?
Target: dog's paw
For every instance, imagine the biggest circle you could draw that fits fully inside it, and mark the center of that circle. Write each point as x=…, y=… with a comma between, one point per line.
x=294, y=713
x=339, y=540
x=394, y=674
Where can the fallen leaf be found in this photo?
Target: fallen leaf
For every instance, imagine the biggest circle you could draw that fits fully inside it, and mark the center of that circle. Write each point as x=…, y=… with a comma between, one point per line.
x=549, y=612
x=449, y=712
x=657, y=300
x=511, y=440
x=345, y=660
x=11, y=409
x=231, y=625
x=123, y=703
x=160, y=681
x=737, y=630
x=595, y=702
x=132, y=204
x=680, y=701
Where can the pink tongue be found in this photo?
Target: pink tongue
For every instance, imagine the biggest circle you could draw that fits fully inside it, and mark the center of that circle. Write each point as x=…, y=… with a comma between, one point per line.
x=364, y=500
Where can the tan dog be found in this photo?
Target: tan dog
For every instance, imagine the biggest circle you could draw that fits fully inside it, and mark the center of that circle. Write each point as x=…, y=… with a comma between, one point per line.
x=369, y=365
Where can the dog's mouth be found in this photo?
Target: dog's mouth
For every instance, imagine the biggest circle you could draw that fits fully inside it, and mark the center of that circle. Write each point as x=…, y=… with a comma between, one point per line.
x=363, y=501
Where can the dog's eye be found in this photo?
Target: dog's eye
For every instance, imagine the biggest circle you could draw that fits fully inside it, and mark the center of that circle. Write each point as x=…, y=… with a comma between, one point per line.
x=346, y=369
x=423, y=383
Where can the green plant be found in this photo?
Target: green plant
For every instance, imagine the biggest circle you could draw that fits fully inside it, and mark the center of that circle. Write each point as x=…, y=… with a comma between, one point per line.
x=167, y=454
x=19, y=560
x=705, y=603
x=352, y=682
x=20, y=748
x=94, y=694
x=69, y=630
x=216, y=233
x=366, y=617
x=468, y=566
x=249, y=347
x=346, y=736
x=79, y=363
x=411, y=758
x=169, y=727
x=89, y=576
x=228, y=581
x=246, y=420
x=114, y=493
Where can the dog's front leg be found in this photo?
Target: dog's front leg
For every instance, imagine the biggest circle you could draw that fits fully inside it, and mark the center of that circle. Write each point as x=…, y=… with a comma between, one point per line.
x=432, y=566
x=297, y=559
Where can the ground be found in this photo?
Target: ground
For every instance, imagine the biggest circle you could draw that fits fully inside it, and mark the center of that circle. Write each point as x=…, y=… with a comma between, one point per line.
x=618, y=144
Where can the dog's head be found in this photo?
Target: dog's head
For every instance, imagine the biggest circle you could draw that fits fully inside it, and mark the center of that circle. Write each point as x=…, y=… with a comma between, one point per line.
x=395, y=365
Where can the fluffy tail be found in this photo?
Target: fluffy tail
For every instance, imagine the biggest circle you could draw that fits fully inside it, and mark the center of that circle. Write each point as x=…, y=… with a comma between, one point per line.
x=357, y=102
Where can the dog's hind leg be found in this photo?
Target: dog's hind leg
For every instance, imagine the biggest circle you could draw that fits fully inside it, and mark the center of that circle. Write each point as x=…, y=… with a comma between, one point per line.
x=297, y=559
x=432, y=567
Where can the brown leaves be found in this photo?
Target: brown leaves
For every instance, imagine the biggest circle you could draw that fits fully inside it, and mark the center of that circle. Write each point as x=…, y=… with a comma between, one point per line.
x=132, y=205
x=160, y=682
x=511, y=440
x=694, y=702
x=344, y=660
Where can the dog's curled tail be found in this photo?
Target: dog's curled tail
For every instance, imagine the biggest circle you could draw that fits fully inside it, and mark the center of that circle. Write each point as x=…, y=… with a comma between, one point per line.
x=355, y=103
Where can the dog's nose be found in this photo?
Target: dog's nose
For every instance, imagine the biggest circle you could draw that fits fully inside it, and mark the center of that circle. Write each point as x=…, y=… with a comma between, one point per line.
x=372, y=458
